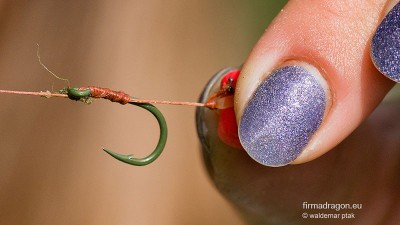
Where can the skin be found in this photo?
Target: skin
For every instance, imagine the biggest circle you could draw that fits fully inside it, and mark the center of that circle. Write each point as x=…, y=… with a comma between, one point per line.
x=353, y=157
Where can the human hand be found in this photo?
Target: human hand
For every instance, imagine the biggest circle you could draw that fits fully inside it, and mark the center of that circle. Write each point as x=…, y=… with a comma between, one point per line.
x=319, y=55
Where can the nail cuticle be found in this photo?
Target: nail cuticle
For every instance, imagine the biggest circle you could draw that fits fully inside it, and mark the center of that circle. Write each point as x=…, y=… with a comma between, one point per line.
x=283, y=114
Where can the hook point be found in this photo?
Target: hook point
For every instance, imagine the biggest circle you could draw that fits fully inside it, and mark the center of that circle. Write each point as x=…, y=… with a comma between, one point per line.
x=129, y=159
x=120, y=157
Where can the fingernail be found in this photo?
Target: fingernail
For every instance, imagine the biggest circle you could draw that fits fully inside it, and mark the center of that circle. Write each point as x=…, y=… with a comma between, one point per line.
x=284, y=112
x=385, y=45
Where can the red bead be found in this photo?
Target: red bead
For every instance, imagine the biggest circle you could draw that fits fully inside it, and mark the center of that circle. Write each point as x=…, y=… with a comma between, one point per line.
x=227, y=126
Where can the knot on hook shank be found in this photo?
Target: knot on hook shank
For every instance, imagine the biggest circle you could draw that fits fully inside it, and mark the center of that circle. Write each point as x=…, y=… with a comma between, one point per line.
x=84, y=93
x=114, y=96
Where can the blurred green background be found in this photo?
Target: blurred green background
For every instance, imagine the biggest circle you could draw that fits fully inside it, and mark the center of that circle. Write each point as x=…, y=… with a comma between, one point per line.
x=52, y=170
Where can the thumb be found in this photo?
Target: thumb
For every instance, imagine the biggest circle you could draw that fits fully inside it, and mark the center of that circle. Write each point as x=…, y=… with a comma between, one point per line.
x=309, y=81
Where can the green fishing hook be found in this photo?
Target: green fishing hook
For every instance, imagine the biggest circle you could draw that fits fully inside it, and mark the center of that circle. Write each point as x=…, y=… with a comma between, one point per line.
x=77, y=94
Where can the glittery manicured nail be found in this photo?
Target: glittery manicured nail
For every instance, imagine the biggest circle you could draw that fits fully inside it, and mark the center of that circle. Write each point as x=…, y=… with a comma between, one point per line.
x=385, y=45
x=282, y=115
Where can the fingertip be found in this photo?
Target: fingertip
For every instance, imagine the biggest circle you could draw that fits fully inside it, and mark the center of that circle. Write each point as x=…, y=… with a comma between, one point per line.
x=333, y=41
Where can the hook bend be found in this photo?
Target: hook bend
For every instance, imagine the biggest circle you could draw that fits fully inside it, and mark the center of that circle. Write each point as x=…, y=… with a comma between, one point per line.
x=160, y=145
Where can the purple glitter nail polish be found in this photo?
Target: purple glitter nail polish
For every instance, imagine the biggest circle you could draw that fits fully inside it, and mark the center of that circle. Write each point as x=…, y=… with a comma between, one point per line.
x=284, y=112
x=385, y=45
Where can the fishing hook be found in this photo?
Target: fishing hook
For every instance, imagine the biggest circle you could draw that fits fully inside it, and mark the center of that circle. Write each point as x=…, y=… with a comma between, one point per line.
x=85, y=93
